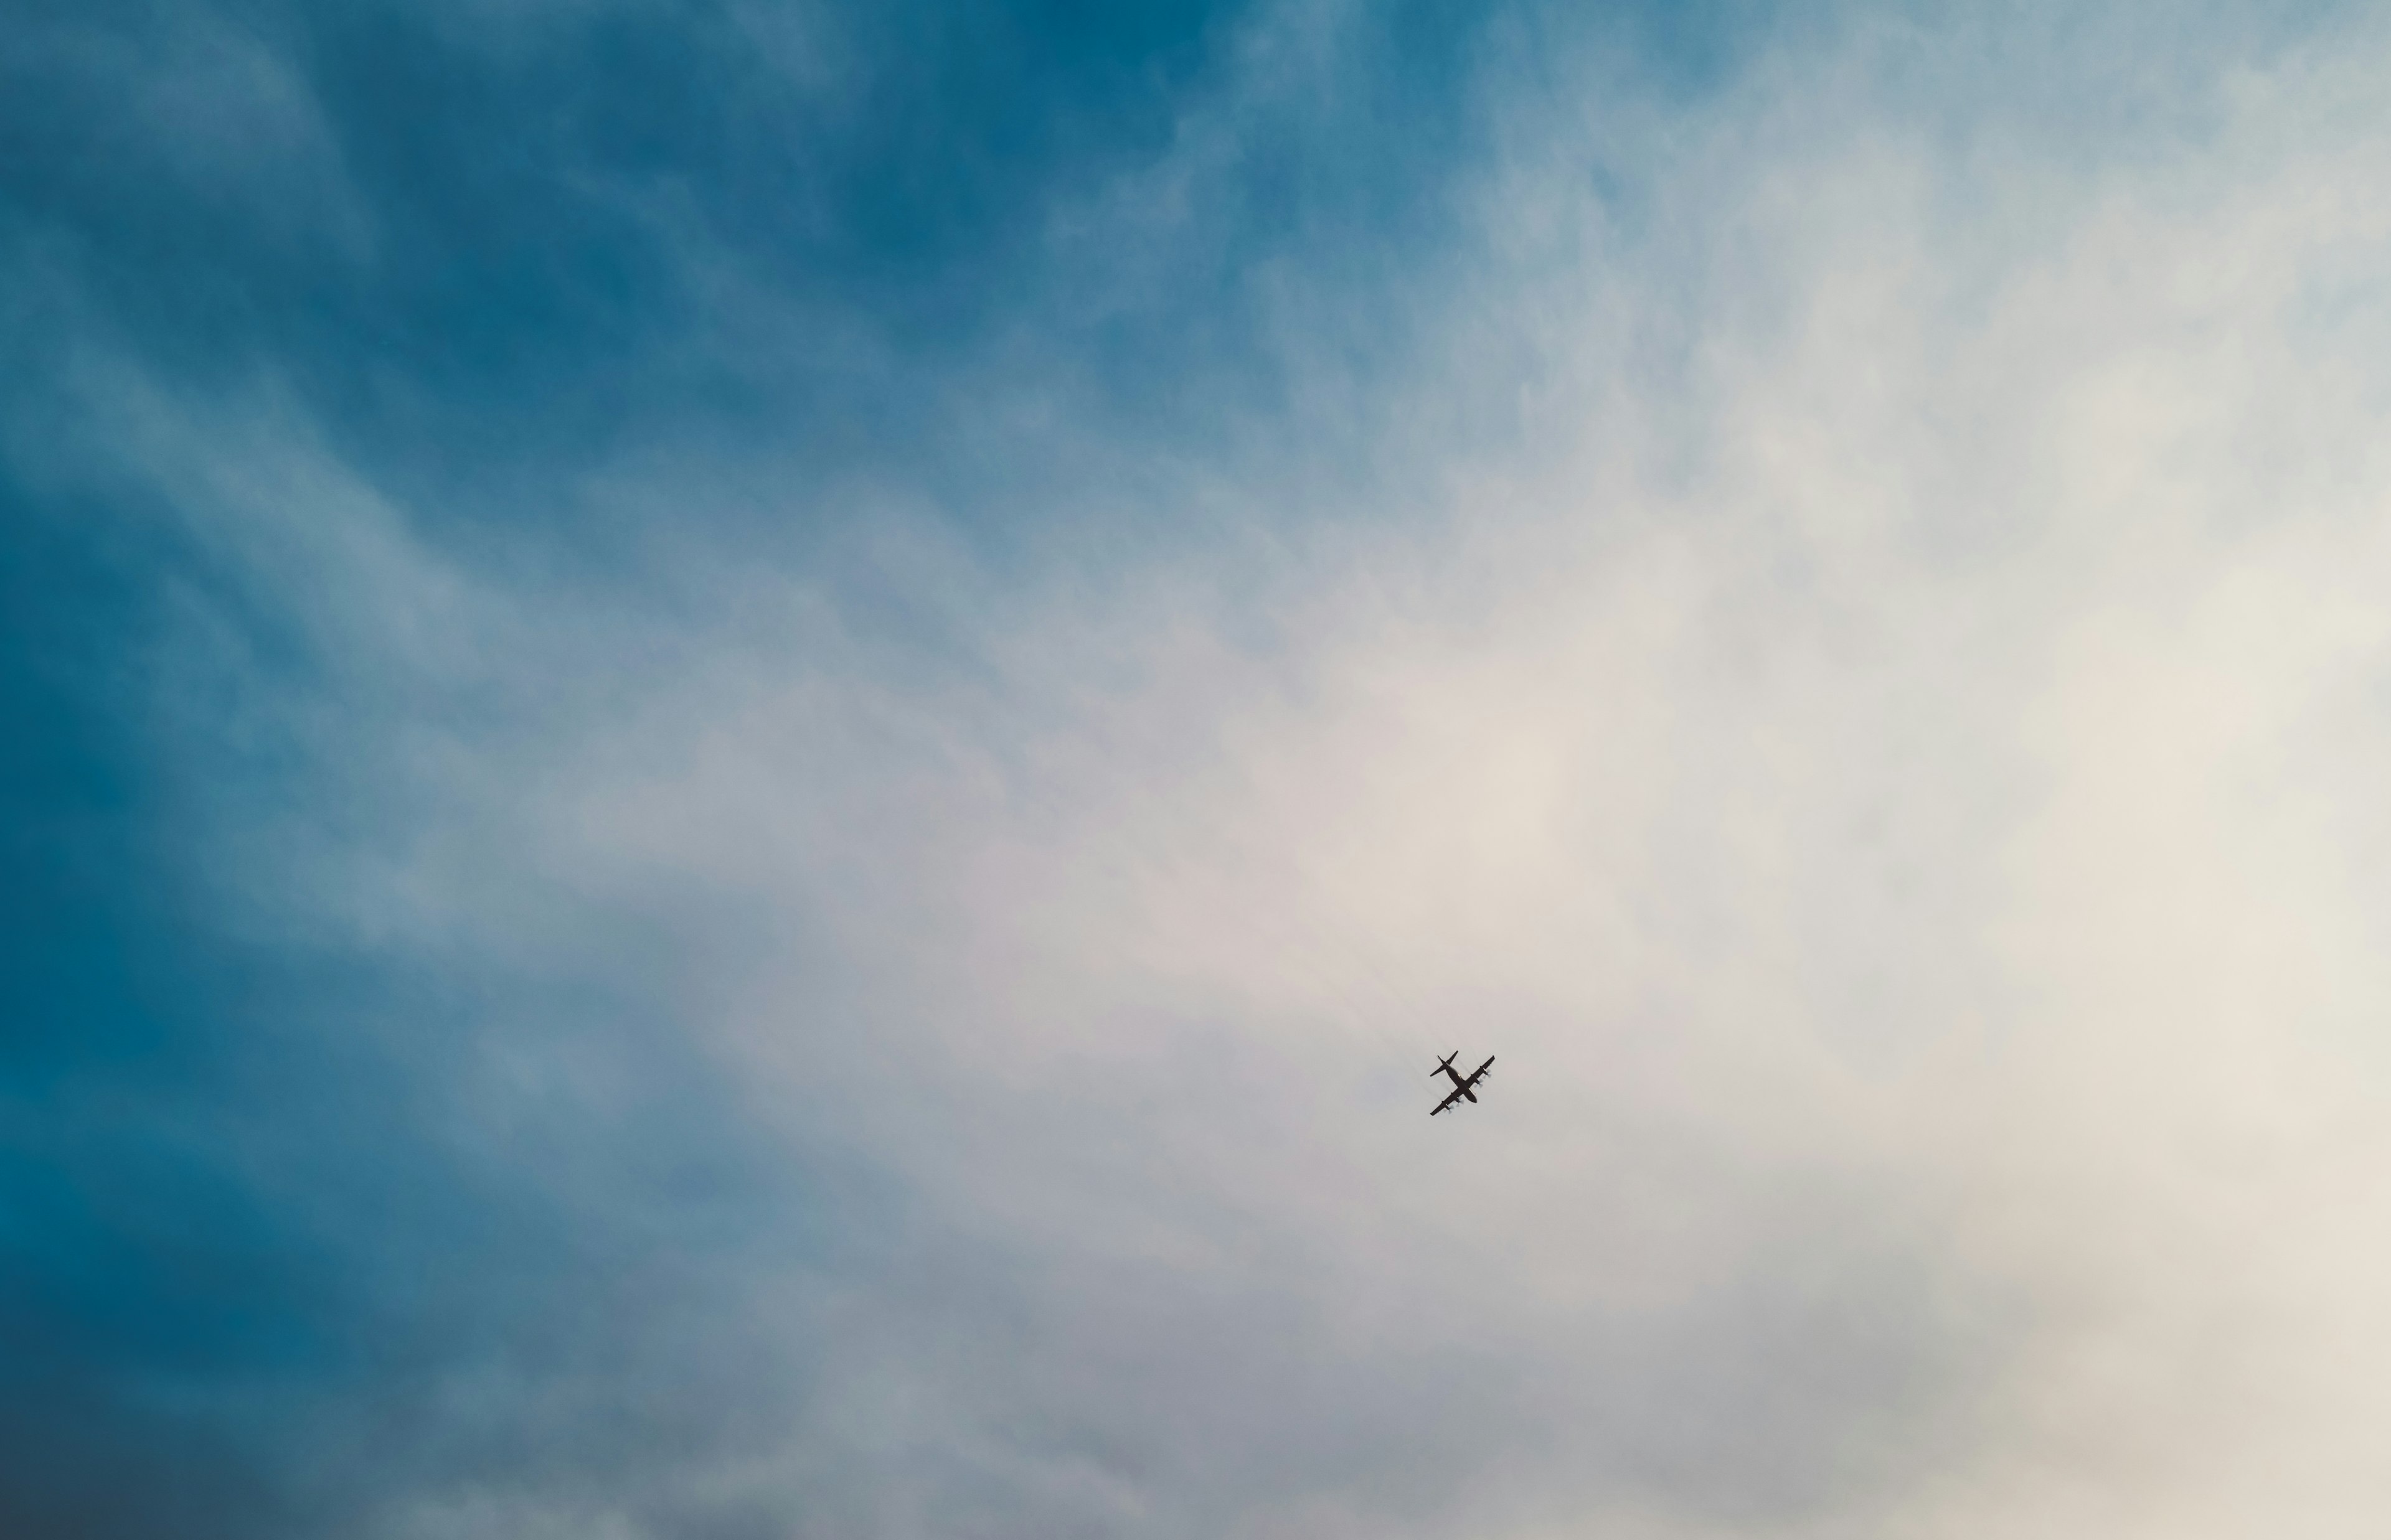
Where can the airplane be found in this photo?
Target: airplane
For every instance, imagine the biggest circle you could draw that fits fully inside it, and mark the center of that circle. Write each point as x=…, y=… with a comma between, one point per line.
x=1460, y=1088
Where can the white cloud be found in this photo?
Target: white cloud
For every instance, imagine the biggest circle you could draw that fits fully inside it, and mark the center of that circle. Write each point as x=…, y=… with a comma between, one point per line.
x=1883, y=741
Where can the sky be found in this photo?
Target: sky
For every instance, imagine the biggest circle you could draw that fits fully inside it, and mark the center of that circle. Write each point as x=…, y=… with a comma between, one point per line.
x=755, y=751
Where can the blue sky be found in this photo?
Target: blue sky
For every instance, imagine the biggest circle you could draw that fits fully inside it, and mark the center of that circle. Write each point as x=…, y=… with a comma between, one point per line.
x=755, y=746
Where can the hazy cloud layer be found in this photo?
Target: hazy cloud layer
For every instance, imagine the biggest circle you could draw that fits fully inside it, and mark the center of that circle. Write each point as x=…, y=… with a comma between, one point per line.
x=767, y=758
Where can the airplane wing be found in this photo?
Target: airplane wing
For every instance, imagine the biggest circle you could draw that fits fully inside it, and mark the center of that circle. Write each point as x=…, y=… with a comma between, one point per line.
x=1483, y=1069
x=1451, y=1097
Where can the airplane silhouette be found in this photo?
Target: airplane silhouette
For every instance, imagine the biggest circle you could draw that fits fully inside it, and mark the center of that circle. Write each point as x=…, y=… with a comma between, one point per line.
x=1461, y=1087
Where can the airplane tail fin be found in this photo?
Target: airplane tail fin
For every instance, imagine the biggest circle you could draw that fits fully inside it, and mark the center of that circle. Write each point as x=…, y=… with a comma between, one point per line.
x=1446, y=1065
